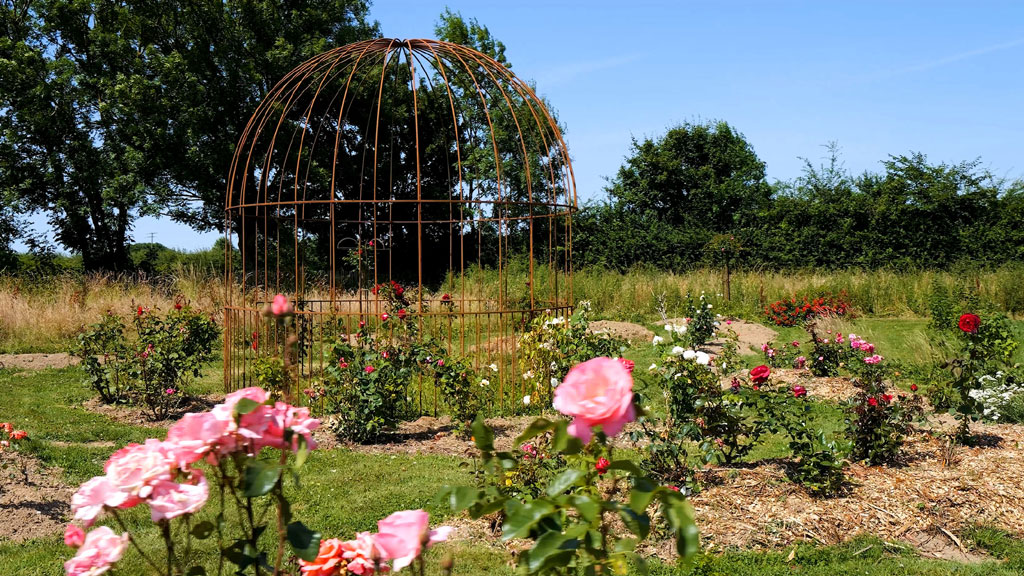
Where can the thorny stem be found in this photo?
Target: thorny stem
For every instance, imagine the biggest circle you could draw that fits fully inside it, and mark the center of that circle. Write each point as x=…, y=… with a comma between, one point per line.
x=165, y=531
x=131, y=539
x=279, y=493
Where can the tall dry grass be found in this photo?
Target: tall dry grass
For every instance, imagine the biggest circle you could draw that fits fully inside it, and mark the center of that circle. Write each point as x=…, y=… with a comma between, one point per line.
x=44, y=314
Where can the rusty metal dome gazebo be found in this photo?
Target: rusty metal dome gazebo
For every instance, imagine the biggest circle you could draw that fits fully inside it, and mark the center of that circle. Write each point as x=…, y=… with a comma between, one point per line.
x=419, y=161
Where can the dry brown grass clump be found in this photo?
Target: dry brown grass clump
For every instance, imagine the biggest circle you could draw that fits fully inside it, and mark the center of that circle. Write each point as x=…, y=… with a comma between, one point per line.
x=45, y=315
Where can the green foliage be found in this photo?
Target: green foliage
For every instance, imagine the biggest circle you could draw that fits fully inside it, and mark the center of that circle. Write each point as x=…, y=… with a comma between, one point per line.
x=554, y=344
x=89, y=89
x=675, y=194
x=568, y=524
x=878, y=422
x=984, y=351
x=152, y=364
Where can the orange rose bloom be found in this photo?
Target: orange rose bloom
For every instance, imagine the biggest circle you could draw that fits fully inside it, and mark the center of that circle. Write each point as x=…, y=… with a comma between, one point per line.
x=329, y=561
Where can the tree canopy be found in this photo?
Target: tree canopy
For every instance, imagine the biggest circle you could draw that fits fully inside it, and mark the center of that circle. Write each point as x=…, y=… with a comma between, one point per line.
x=112, y=110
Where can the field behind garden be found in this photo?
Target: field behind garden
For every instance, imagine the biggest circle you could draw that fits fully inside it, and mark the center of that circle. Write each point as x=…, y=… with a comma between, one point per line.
x=43, y=314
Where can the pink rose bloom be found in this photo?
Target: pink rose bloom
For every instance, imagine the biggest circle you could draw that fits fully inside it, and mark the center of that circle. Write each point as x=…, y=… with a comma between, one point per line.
x=90, y=499
x=101, y=548
x=369, y=369
x=194, y=435
x=764, y=347
x=400, y=536
x=280, y=305
x=171, y=499
x=73, y=536
x=801, y=361
x=284, y=417
x=873, y=359
x=361, y=553
x=598, y=392
x=137, y=467
x=251, y=427
x=867, y=347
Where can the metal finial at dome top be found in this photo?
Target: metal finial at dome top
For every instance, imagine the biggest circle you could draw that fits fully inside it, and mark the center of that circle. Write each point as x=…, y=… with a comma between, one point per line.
x=417, y=161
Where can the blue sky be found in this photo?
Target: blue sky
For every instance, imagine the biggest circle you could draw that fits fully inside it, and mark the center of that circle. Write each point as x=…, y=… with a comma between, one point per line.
x=879, y=78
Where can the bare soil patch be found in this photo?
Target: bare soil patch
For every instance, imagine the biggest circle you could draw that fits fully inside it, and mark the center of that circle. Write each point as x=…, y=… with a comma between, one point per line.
x=139, y=416
x=34, y=503
x=749, y=335
x=38, y=361
x=625, y=330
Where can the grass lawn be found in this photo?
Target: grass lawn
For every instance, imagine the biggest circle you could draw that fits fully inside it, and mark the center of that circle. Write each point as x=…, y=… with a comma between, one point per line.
x=343, y=491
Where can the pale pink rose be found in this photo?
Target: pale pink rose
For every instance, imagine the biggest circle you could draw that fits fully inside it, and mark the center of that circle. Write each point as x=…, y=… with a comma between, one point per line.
x=361, y=554
x=73, y=536
x=101, y=548
x=137, y=467
x=250, y=427
x=598, y=392
x=284, y=417
x=280, y=305
x=400, y=536
x=194, y=435
x=873, y=359
x=90, y=499
x=171, y=499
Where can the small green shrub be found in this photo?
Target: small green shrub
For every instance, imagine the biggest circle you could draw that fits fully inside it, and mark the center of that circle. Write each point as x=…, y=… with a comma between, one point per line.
x=151, y=364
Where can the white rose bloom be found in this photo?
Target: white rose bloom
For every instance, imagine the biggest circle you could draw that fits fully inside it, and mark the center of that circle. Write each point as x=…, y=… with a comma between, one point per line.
x=689, y=355
x=484, y=382
x=528, y=374
x=554, y=382
x=652, y=368
x=703, y=359
x=657, y=340
x=668, y=327
x=677, y=350
x=681, y=329
x=493, y=367
x=526, y=400
x=709, y=306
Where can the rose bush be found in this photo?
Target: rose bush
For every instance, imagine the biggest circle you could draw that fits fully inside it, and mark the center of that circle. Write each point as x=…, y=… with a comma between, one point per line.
x=569, y=525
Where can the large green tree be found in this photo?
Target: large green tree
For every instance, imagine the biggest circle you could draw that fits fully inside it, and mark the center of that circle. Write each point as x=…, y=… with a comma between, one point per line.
x=110, y=110
x=674, y=193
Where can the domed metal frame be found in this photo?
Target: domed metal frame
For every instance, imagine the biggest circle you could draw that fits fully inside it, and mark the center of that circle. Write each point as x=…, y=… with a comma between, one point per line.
x=371, y=151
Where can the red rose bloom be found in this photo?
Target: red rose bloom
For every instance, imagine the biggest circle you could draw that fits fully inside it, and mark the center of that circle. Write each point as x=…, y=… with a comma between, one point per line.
x=887, y=397
x=628, y=364
x=799, y=391
x=913, y=387
x=401, y=314
x=760, y=374
x=602, y=465
x=872, y=401
x=969, y=323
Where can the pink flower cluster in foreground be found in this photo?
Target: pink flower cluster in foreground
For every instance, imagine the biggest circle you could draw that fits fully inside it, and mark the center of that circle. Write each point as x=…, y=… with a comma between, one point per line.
x=400, y=538
x=161, y=474
x=598, y=392
x=866, y=347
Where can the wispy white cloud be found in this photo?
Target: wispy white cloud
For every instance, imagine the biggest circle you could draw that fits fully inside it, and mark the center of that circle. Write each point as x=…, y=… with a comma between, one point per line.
x=938, y=63
x=576, y=70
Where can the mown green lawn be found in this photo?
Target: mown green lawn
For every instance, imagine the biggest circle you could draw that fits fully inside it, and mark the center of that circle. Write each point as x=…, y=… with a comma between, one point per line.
x=343, y=492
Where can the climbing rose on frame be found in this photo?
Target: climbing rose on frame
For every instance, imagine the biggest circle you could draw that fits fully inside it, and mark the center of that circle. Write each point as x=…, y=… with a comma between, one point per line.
x=598, y=392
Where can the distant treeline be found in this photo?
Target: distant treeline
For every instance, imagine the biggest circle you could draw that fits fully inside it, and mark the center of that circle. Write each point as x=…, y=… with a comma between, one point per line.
x=698, y=196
